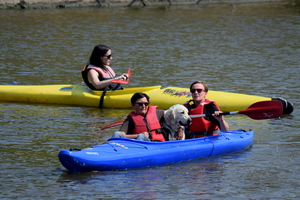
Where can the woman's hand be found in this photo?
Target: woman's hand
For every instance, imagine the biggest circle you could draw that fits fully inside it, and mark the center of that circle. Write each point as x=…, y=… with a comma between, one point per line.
x=180, y=133
x=218, y=116
x=123, y=77
x=223, y=124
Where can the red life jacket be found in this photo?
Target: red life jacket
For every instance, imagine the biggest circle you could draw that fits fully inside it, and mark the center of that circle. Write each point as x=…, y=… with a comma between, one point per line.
x=109, y=74
x=149, y=123
x=201, y=127
x=104, y=75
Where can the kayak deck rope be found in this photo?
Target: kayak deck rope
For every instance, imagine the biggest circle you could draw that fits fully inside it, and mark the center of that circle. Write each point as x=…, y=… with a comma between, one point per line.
x=114, y=144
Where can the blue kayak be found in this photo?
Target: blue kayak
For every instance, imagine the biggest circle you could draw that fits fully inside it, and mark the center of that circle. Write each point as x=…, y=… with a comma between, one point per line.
x=123, y=154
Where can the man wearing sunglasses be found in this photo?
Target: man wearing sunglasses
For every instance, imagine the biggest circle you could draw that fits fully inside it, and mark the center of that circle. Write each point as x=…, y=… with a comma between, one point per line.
x=98, y=74
x=203, y=126
x=144, y=122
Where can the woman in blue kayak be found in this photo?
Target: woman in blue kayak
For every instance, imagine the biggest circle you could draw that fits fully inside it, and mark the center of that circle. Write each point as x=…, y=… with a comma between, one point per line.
x=98, y=74
x=144, y=122
x=203, y=126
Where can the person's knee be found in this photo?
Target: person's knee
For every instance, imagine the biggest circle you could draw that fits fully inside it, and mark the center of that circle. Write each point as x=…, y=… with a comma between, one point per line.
x=143, y=137
x=118, y=134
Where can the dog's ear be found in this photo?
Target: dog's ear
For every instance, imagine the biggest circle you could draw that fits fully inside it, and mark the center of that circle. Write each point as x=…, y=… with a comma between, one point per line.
x=170, y=116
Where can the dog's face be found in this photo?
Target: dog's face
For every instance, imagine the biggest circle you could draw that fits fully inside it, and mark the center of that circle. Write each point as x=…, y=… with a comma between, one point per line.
x=177, y=115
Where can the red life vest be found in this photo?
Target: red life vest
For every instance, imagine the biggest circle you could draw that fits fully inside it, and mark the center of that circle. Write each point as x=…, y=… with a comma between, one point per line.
x=104, y=75
x=201, y=127
x=108, y=74
x=149, y=124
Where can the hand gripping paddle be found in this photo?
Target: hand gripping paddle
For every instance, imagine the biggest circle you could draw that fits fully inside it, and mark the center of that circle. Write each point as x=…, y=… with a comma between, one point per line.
x=121, y=81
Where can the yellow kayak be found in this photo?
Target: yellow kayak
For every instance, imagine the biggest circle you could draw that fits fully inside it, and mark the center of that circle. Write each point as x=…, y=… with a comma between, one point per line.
x=164, y=98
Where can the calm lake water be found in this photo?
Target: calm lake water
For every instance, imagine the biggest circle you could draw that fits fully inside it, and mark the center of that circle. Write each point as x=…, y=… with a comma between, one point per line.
x=251, y=49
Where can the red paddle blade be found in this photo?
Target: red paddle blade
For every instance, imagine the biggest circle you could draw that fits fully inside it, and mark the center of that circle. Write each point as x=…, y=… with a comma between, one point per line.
x=112, y=125
x=121, y=81
x=264, y=110
x=128, y=72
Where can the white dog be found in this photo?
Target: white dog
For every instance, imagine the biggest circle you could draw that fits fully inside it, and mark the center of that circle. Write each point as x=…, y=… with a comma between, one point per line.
x=176, y=116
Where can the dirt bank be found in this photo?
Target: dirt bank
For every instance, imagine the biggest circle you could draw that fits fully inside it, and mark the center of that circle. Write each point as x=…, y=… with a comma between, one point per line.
x=46, y=4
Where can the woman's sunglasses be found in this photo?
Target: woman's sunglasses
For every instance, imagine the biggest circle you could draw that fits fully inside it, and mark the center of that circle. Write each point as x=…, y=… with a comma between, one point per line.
x=142, y=103
x=109, y=56
x=198, y=90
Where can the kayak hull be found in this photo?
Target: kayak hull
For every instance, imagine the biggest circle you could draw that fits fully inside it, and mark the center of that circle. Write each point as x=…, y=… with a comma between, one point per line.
x=78, y=95
x=124, y=154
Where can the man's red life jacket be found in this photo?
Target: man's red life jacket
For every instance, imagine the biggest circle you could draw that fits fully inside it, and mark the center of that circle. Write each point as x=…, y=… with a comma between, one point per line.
x=200, y=126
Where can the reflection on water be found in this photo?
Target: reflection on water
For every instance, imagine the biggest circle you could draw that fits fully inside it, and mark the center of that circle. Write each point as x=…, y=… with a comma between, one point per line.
x=251, y=49
x=192, y=178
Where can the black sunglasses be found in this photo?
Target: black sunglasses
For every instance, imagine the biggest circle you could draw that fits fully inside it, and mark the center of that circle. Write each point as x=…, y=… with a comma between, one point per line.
x=142, y=103
x=109, y=56
x=198, y=90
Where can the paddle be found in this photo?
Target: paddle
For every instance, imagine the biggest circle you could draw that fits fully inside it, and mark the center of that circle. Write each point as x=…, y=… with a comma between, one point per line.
x=259, y=110
x=121, y=81
x=112, y=125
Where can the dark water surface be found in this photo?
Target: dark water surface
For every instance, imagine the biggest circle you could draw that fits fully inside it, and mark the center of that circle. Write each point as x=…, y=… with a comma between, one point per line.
x=251, y=49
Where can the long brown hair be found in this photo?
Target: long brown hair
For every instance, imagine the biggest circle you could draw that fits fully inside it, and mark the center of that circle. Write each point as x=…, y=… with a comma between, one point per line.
x=98, y=52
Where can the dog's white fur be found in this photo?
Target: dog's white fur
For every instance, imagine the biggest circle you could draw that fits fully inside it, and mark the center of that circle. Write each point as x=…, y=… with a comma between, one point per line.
x=176, y=116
